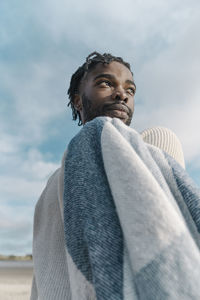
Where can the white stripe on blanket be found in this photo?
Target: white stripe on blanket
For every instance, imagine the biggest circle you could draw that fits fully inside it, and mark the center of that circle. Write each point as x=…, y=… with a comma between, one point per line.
x=142, y=205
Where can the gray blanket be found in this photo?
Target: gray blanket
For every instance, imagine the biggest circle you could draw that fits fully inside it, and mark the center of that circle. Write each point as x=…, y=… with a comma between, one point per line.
x=131, y=218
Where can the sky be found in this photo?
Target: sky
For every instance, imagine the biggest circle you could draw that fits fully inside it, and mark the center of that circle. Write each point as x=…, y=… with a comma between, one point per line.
x=42, y=44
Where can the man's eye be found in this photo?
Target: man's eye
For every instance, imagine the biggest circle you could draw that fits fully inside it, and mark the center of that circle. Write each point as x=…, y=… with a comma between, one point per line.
x=131, y=91
x=104, y=83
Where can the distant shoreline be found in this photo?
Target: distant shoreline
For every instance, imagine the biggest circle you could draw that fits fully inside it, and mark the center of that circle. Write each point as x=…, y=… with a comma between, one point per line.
x=27, y=257
x=15, y=277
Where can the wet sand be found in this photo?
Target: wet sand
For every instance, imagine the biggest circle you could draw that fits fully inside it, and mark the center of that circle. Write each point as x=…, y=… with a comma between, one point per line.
x=15, y=283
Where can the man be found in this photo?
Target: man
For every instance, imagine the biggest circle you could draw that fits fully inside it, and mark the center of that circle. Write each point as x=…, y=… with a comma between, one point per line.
x=106, y=215
x=103, y=86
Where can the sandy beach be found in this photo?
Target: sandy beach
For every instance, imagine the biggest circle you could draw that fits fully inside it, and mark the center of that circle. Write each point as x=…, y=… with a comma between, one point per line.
x=15, y=280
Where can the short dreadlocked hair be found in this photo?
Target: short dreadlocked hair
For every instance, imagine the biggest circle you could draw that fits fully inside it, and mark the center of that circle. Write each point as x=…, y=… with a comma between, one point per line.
x=91, y=61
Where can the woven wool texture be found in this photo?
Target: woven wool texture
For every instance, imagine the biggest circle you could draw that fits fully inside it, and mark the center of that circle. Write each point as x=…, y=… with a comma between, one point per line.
x=120, y=220
x=166, y=140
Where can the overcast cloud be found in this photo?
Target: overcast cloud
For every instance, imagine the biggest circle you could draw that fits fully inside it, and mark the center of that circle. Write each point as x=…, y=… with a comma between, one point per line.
x=42, y=44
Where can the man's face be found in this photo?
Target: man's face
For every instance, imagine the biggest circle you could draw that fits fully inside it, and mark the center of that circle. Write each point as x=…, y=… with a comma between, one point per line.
x=107, y=90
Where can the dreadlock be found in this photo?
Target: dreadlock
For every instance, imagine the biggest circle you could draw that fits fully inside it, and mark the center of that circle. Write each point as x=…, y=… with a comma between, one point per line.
x=91, y=61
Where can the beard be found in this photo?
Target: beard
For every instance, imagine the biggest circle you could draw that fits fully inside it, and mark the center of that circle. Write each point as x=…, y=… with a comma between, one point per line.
x=91, y=112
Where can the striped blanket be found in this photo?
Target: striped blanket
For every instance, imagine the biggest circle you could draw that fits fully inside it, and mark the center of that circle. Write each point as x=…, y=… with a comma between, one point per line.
x=131, y=218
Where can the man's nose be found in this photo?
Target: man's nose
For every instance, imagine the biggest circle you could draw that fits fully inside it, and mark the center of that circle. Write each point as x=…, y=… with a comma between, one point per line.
x=119, y=95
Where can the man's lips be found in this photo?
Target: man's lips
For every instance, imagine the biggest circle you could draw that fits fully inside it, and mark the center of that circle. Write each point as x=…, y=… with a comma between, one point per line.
x=117, y=110
x=119, y=107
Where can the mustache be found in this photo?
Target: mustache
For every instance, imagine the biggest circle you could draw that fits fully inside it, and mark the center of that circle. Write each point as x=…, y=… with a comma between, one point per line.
x=117, y=105
x=91, y=112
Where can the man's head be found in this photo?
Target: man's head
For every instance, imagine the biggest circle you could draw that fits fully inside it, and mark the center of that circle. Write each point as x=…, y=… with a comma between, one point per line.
x=102, y=86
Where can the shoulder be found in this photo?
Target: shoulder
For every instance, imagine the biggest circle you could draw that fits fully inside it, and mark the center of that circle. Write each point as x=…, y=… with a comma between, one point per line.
x=166, y=140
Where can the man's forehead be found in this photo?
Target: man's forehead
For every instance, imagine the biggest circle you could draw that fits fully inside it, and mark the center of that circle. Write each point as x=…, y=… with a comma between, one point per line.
x=114, y=68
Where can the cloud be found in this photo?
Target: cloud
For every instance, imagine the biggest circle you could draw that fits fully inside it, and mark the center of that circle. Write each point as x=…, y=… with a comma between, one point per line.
x=150, y=41
x=25, y=174
x=169, y=90
x=42, y=45
x=127, y=28
x=16, y=230
x=38, y=87
x=21, y=186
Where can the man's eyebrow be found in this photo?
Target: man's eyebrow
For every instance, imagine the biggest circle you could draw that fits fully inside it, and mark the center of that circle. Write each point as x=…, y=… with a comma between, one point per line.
x=105, y=75
x=110, y=76
x=131, y=82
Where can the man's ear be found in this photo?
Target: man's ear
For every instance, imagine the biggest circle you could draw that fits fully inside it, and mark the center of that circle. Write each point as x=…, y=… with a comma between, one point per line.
x=78, y=102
